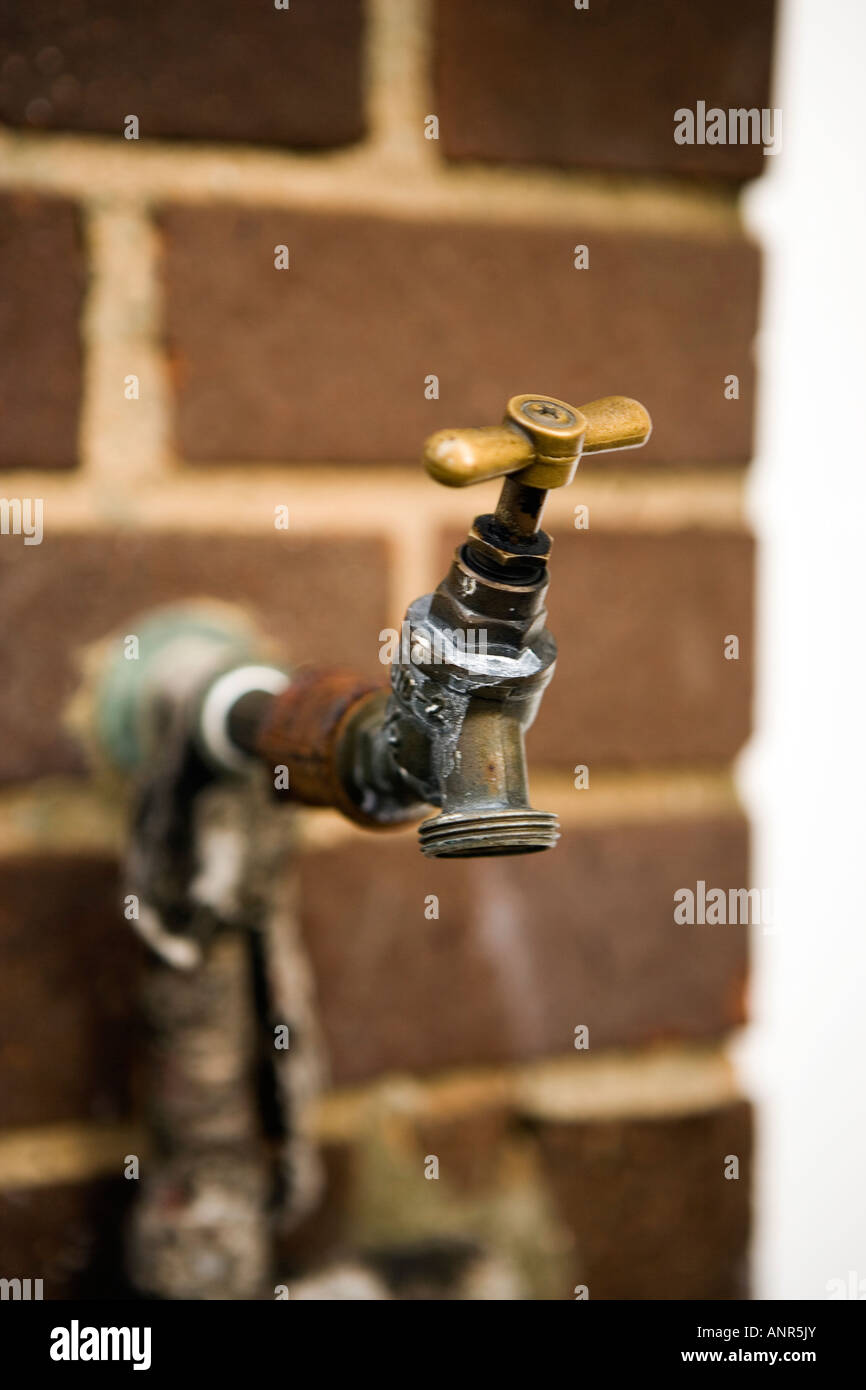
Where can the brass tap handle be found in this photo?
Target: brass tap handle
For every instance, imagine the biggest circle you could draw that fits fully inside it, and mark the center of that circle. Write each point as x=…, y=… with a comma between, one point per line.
x=541, y=440
x=615, y=422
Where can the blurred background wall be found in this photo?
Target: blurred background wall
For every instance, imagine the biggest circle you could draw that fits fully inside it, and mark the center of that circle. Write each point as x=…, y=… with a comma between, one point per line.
x=803, y=774
x=434, y=269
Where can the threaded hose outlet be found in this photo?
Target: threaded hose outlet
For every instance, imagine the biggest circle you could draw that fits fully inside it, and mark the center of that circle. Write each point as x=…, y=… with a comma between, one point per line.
x=476, y=835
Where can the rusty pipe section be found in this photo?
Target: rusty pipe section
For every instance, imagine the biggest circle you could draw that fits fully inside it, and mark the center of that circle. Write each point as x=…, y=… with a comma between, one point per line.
x=326, y=730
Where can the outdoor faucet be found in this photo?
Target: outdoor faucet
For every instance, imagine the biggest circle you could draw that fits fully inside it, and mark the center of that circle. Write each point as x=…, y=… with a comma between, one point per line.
x=467, y=678
x=473, y=662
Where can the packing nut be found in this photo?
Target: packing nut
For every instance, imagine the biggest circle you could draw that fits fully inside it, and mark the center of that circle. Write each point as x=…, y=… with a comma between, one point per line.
x=484, y=545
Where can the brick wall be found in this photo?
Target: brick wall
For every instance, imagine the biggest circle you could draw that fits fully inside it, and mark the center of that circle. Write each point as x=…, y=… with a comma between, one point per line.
x=154, y=258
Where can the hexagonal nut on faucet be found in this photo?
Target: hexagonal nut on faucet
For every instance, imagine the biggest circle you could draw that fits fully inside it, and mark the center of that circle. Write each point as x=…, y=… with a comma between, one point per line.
x=512, y=614
x=508, y=560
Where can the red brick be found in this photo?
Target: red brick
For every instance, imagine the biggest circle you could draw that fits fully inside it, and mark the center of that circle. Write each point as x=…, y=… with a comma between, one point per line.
x=42, y=279
x=73, y=590
x=648, y=1205
x=641, y=622
x=524, y=949
x=206, y=70
x=69, y=1034
x=540, y=82
x=328, y=360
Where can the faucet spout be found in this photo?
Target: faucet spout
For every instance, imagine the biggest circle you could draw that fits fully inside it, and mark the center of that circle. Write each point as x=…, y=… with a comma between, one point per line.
x=485, y=797
x=464, y=690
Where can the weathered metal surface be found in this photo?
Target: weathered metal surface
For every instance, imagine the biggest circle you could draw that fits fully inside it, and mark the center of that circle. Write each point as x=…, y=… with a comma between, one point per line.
x=303, y=730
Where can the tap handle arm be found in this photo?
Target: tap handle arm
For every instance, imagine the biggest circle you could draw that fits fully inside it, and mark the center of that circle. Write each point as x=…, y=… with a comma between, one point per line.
x=615, y=422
